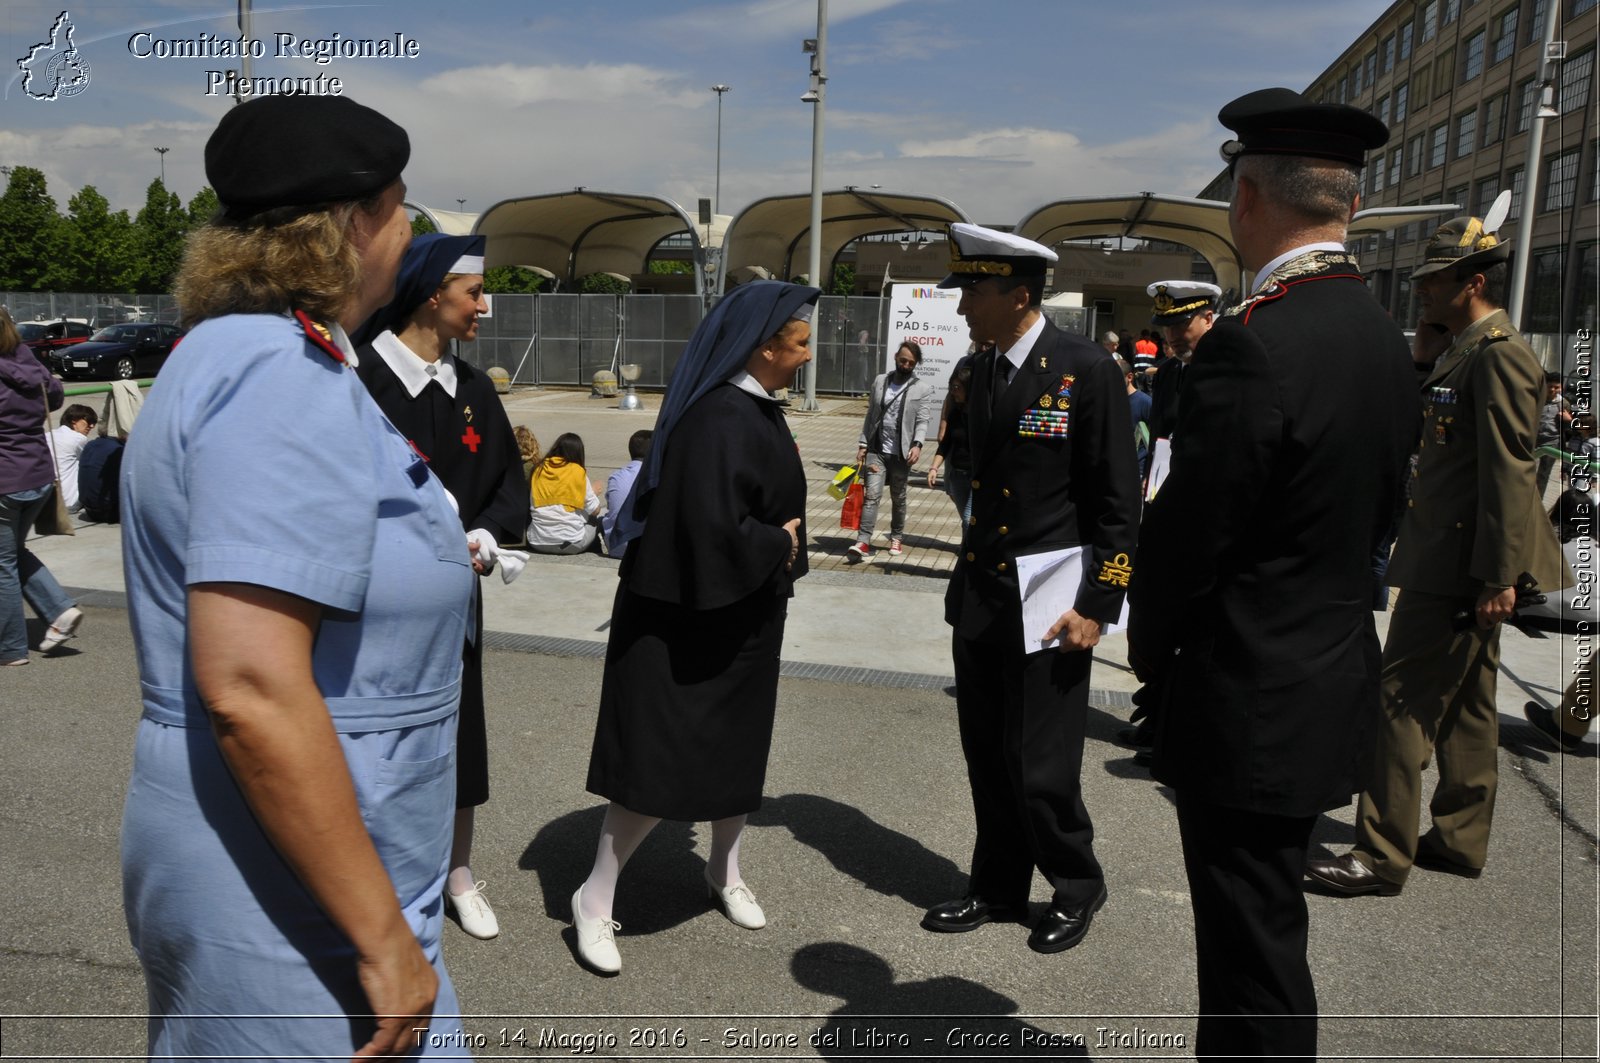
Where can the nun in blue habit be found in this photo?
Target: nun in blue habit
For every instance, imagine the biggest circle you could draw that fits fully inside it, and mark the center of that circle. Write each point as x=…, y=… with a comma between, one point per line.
x=449, y=412
x=716, y=523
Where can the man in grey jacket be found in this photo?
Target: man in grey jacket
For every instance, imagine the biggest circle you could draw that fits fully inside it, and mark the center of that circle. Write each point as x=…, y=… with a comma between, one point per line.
x=890, y=444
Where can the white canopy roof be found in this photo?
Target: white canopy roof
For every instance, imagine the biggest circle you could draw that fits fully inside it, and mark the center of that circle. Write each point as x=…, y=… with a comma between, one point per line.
x=774, y=233
x=573, y=234
x=1198, y=223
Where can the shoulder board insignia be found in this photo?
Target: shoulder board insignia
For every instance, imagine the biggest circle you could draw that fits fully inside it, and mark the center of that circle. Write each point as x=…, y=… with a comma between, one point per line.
x=320, y=336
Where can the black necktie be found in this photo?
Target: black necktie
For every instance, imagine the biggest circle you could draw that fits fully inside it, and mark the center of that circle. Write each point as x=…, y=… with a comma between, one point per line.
x=1002, y=377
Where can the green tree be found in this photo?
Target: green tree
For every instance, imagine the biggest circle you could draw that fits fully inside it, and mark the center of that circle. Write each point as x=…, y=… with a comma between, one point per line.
x=671, y=266
x=603, y=284
x=96, y=248
x=421, y=226
x=203, y=207
x=844, y=279
x=159, y=231
x=31, y=243
x=510, y=280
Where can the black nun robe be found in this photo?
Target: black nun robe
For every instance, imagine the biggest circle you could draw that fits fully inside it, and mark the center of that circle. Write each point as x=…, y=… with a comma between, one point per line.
x=690, y=687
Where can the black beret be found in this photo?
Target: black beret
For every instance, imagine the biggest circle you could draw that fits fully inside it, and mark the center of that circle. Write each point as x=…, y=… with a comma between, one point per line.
x=294, y=151
x=1283, y=122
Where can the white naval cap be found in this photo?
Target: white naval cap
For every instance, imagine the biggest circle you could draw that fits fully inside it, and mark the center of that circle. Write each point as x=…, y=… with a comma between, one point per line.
x=1177, y=301
x=976, y=253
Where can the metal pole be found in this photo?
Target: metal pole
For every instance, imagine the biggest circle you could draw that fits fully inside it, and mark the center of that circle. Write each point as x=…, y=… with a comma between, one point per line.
x=163, y=153
x=1530, y=181
x=819, y=84
x=716, y=199
x=245, y=66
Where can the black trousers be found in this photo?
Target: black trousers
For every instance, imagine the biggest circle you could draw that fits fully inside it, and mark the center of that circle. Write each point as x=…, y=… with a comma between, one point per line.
x=1257, y=1000
x=1022, y=719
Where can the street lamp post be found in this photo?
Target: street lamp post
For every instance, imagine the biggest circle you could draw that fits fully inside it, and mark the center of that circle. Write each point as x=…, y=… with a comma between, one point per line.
x=816, y=96
x=163, y=153
x=716, y=199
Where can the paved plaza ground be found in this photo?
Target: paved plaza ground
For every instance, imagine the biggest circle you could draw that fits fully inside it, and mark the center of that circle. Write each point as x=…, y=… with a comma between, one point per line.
x=866, y=822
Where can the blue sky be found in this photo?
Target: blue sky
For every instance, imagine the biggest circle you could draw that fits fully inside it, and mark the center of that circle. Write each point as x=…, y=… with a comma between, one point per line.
x=998, y=105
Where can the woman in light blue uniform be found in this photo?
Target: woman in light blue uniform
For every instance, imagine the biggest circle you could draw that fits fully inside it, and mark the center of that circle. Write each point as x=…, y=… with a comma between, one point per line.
x=299, y=589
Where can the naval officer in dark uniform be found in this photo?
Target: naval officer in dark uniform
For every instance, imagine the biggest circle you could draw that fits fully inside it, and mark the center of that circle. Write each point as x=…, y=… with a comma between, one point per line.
x=1185, y=312
x=1052, y=467
x=1251, y=602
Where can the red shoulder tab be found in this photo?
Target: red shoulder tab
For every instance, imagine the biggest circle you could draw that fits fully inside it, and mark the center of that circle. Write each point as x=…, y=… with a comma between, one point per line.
x=319, y=335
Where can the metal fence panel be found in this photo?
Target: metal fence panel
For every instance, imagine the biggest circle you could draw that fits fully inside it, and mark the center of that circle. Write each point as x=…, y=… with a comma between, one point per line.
x=564, y=339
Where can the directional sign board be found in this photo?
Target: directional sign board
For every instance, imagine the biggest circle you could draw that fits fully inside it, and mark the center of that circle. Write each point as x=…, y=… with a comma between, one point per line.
x=927, y=316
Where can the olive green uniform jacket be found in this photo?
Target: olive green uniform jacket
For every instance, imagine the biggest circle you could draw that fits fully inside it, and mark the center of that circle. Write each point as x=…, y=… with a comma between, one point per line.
x=1475, y=519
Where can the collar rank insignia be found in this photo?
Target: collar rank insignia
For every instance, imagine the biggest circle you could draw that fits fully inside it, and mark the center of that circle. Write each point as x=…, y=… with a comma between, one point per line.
x=320, y=336
x=1115, y=572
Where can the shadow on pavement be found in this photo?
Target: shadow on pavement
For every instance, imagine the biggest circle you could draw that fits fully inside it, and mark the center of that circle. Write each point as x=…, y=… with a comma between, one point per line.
x=942, y=1016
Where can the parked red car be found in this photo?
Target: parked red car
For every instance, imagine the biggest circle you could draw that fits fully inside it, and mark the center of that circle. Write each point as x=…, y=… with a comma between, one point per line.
x=45, y=336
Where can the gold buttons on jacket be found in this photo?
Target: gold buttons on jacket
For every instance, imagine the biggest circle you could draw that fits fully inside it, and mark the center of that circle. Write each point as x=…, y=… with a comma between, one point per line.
x=1004, y=530
x=972, y=521
x=1005, y=491
x=976, y=485
x=972, y=557
x=1001, y=567
x=1460, y=525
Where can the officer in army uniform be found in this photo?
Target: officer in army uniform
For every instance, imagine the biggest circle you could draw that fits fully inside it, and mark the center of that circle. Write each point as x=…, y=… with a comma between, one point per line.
x=1053, y=466
x=1474, y=535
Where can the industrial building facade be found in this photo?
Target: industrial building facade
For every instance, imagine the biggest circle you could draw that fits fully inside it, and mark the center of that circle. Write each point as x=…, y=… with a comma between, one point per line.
x=1457, y=83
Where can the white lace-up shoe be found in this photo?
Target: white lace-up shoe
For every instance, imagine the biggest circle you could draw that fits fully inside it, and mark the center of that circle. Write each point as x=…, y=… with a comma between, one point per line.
x=473, y=911
x=597, y=941
x=738, y=903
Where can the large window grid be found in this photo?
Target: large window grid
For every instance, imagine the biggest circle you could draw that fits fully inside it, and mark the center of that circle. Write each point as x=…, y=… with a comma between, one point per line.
x=1472, y=57
x=1488, y=188
x=1452, y=11
x=1494, y=119
x=1405, y=41
x=1581, y=6
x=1544, y=291
x=1517, y=180
x=1402, y=95
x=1561, y=180
x=1505, y=41
x=1414, y=156
x=1438, y=144
x=1386, y=55
x=1383, y=110
x=1370, y=68
x=1527, y=98
x=1535, y=32
x=1444, y=73
x=1430, y=15
x=1466, y=132
x=1577, y=73
x=1394, y=168
x=1583, y=310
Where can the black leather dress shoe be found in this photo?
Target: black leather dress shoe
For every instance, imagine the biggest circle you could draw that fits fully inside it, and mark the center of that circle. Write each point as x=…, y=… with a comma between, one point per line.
x=1544, y=721
x=1431, y=859
x=969, y=913
x=1349, y=877
x=1063, y=926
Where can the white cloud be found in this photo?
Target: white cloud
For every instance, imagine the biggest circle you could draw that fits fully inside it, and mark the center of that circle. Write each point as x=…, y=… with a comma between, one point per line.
x=592, y=83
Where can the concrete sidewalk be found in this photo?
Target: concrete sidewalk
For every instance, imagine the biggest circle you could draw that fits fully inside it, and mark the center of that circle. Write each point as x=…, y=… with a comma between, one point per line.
x=867, y=821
